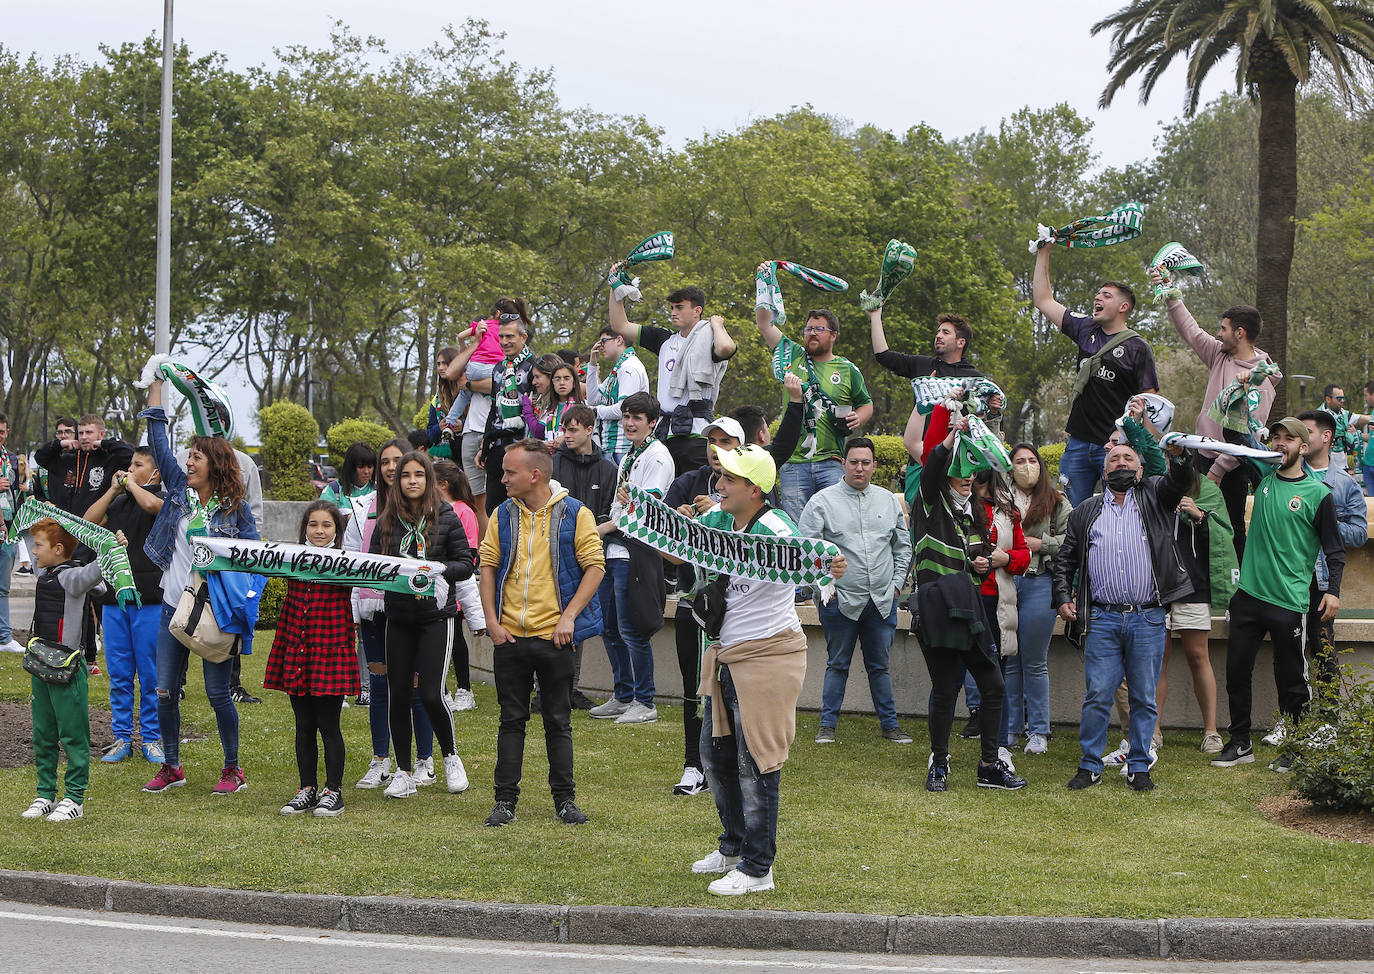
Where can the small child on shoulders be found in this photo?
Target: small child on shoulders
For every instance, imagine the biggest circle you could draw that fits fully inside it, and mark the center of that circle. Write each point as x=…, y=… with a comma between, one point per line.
x=479, y=365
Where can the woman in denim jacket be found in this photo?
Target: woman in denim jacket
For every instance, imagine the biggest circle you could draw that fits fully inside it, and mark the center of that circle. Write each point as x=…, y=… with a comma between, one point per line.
x=206, y=498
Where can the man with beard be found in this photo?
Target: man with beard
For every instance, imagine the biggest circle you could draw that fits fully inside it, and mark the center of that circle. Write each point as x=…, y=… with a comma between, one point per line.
x=1114, y=364
x=1293, y=519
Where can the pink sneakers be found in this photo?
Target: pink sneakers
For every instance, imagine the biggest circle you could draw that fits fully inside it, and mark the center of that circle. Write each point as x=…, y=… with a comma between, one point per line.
x=166, y=777
x=230, y=781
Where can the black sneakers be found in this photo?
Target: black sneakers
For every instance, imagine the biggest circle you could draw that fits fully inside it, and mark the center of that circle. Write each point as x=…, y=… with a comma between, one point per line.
x=502, y=814
x=1084, y=779
x=331, y=804
x=305, y=800
x=240, y=695
x=580, y=701
x=1235, y=752
x=973, y=728
x=569, y=814
x=937, y=779
x=998, y=775
x=1140, y=781
x=1282, y=764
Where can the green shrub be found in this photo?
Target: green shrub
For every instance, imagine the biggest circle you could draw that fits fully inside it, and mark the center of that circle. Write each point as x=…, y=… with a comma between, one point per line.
x=421, y=419
x=269, y=606
x=346, y=432
x=1052, y=453
x=891, y=460
x=289, y=438
x=1333, y=746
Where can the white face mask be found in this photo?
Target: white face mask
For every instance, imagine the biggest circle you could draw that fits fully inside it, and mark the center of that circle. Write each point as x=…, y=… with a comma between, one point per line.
x=1026, y=475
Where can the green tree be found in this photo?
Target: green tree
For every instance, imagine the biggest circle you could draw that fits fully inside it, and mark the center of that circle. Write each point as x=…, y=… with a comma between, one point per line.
x=1276, y=44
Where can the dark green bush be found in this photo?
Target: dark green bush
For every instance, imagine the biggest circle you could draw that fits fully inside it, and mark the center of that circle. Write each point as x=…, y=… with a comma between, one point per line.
x=1333, y=746
x=290, y=436
x=346, y=432
x=269, y=607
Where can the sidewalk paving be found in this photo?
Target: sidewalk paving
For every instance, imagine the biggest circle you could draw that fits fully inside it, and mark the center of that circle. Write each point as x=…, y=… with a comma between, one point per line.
x=762, y=929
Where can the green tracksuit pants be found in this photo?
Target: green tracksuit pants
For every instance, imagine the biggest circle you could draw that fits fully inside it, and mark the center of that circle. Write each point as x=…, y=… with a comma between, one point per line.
x=61, y=715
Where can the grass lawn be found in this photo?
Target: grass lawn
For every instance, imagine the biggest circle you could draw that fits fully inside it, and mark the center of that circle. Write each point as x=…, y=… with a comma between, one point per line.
x=858, y=832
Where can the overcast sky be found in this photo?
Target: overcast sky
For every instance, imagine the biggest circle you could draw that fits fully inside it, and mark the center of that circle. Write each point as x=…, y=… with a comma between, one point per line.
x=693, y=68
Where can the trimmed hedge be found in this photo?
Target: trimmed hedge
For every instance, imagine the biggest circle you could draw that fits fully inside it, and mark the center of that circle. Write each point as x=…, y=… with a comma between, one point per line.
x=346, y=432
x=289, y=438
x=269, y=606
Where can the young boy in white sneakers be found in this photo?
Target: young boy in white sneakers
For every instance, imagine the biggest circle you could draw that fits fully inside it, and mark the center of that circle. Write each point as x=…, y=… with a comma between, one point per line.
x=61, y=712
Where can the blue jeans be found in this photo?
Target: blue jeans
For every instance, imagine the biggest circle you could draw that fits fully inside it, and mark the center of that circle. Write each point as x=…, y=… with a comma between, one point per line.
x=1129, y=644
x=616, y=650
x=7, y=555
x=172, y=660
x=746, y=801
x=874, y=630
x=131, y=651
x=1082, y=463
x=1368, y=480
x=1027, y=674
x=631, y=654
x=800, y=481
x=379, y=696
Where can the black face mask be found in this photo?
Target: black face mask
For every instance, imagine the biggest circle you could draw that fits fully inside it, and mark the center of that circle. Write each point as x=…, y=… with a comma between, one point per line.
x=1121, y=480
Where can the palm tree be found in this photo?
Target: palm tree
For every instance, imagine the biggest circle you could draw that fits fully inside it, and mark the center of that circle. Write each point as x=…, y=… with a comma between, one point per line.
x=1275, y=43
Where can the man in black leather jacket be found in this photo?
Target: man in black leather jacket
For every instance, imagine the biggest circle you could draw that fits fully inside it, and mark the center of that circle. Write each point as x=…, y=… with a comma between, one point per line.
x=1115, y=575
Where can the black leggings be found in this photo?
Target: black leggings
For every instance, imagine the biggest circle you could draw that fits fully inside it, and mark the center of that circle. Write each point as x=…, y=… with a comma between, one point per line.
x=462, y=672
x=422, y=649
x=319, y=715
x=946, y=677
x=689, y=663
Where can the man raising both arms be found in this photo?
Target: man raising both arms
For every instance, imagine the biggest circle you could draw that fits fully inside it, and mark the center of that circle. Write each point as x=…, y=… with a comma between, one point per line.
x=1114, y=364
x=691, y=365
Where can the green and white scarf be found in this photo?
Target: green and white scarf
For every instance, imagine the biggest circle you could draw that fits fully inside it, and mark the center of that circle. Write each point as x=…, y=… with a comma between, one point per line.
x=980, y=448
x=816, y=400
x=930, y=391
x=767, y=293
x=1113, y=227
x=1234, y=407
x=113, y=559
x=899, y=260
x=508, y=398
x=613, y=438
x=210, y=410
x=794, y=561
x=330, y=566
x=658, y=246
x=199, y=524
x=415, y=535
x=1172, y=259
x=1190, y=441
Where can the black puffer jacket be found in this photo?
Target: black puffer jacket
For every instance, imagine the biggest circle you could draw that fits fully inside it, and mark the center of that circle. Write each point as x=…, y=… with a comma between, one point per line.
x=448, y=544
x=1157, y=498
x=589, y=478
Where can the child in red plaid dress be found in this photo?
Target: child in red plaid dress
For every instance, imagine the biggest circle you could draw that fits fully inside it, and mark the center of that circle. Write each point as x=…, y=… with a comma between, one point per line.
x=314, y=662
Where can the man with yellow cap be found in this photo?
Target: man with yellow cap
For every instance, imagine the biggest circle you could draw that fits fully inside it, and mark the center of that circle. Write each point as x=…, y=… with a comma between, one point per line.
x=752, y=676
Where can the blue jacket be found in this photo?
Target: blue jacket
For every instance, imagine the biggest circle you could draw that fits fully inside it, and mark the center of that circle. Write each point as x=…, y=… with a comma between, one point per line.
x=236, y=522
x=563, y=554
x=1351, y=515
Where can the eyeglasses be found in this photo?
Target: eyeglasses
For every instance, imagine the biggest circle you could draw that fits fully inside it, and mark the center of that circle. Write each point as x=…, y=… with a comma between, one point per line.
x=816, y=329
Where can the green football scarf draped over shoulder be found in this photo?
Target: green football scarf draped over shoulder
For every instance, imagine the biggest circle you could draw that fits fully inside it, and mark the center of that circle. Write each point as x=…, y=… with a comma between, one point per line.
x=794, y=561
x=1113, y=227
x=113, y=559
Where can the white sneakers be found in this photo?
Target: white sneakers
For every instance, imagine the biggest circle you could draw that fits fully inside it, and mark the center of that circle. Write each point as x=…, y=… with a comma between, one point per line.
x=1004, y=755
x=39, y=808
x=637, y=713
x=736, y=883
x=454, y=775
x=13, y=646
x=65, y=811
x=1117, y=758
x=402, y=785
x=715, y=863
x=378, y=773
x=463, y=700
x=1154, y=758
x=1038, y=744
x=424, y=771
x=693, y=782
x=1275, y=737
x=611, y=708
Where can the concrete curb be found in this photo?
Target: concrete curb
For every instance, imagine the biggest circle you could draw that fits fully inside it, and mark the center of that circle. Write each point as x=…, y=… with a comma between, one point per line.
x=1190, y=939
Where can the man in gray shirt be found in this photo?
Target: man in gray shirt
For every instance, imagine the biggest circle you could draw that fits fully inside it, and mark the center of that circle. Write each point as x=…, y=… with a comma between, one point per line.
x=867, y=524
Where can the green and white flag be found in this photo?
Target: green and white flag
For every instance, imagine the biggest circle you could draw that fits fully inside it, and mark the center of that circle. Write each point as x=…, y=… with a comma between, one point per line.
x=658, y=246
x=1170, y=261
x=329, y=566
x=794, y=561
x=930, y=391
x=767, y=293
x=113, y=559
x=1113, y=227
x=210, y=410
x=899, y=260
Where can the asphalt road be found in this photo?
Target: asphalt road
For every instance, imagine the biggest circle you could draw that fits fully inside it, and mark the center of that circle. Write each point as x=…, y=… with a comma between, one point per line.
x=45, y=939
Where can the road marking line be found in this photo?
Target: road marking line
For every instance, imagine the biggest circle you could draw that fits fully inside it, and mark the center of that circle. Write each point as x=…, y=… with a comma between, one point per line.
x=331, y=940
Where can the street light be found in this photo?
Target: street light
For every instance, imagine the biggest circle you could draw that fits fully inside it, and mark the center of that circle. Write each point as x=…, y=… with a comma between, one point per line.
x=1302, y=386
x=162, y=335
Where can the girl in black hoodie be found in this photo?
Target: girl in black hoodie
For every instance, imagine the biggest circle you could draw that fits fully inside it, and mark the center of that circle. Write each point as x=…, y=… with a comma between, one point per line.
x=415, y=523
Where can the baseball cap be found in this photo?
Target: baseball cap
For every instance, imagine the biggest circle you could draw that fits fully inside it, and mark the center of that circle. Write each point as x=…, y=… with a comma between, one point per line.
x=753, y=463
x=1291, y=425
x=728, y=426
